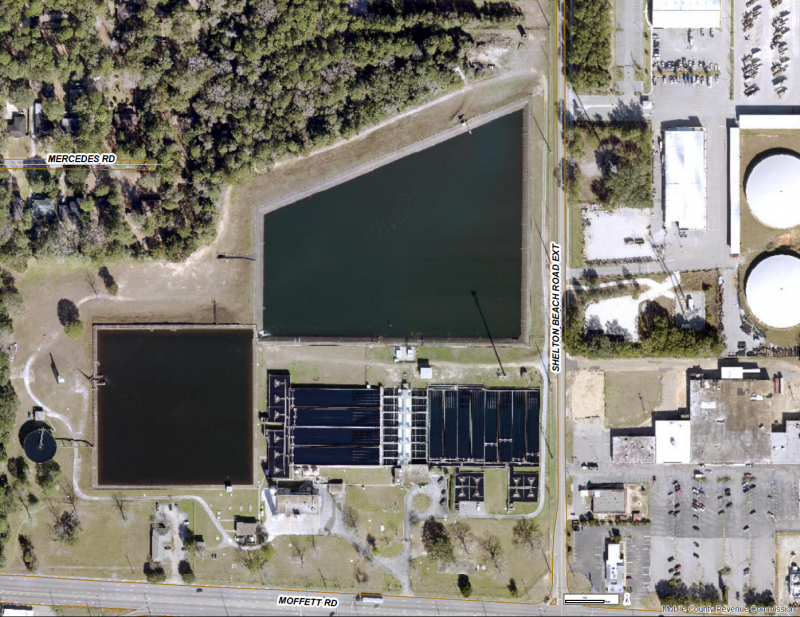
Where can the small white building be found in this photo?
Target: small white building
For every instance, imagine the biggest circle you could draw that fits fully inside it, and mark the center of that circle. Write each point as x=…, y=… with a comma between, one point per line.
x=426, y=372
x=615, y=569
x=673, y=442
x=686, y=13
x=404, y=353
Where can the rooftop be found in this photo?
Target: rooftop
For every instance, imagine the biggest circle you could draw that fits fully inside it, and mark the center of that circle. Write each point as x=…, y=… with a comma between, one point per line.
x=633, y=450
x=673, y=442
x=685, y=165
x=17, y=126
x=686, y=13
x=731, y=420
x=608, y=501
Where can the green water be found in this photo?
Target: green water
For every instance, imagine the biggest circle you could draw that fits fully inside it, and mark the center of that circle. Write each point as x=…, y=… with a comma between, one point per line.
x=399, y=251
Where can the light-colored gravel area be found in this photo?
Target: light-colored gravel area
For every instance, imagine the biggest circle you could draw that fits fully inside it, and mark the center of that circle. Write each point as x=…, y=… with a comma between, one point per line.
x=610, y=235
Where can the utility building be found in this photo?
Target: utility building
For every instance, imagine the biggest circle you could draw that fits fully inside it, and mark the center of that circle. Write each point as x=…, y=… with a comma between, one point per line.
x=686, y=13
x=685, y=178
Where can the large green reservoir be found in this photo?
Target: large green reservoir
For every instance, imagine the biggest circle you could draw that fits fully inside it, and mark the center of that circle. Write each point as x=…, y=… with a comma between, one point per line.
x=398, y=251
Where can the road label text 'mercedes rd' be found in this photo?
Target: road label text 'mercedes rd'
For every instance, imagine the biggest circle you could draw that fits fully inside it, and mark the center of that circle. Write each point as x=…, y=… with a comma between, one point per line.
x=72, y=158
x=307, y=601
x=555, y=308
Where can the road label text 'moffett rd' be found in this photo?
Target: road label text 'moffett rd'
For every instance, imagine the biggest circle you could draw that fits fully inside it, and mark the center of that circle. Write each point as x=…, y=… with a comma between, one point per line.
x=307, y=601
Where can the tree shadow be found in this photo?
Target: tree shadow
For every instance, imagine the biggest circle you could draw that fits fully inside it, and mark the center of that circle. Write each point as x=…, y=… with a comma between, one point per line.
x=105, y=275
x=67, y=312
x=625, y=111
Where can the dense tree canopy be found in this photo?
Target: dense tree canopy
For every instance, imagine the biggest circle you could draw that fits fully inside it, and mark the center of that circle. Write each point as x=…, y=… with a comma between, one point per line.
x=589, y=45
x=218, y=91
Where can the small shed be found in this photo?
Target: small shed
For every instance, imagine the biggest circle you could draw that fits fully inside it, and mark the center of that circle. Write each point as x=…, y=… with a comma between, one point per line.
x=426, y=372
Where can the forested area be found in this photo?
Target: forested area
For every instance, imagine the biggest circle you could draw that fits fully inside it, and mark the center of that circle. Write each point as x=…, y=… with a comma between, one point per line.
x=218, y=92
x=589, y=45
x=13, y=488
x=626, y=152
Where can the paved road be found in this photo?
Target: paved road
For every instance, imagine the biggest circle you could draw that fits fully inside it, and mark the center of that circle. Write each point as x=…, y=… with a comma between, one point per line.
x=142, y=598
x=559, y=235
x=630, y=51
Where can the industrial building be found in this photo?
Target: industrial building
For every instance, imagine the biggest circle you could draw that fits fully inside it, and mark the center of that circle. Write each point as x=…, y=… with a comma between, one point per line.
x=686, y=13
x=737, y=414
x=772, y=290
x=685, y=177
x=370, y=427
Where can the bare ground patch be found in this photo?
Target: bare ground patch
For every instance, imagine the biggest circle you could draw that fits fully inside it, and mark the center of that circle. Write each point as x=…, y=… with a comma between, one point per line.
x=586, y=395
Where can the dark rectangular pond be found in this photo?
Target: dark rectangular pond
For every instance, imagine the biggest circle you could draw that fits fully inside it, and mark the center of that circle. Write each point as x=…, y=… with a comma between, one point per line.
x=176, y=407
x=398, y=251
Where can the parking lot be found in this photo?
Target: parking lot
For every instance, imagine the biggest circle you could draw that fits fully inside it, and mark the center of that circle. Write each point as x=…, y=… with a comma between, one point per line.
x=701, y=542
x=707, y=56
x=760, y=38
x=590, y=547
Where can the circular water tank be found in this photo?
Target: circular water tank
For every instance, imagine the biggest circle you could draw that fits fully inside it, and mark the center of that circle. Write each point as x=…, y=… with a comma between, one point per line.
x=40, y=445
x=773, y=291
x=772, y=191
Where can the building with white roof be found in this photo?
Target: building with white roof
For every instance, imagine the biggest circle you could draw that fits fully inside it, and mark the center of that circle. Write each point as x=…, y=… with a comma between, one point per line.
x=615, y=569
x=686, y=13
x=773, y=291
x=685, y=182
x=673, y=442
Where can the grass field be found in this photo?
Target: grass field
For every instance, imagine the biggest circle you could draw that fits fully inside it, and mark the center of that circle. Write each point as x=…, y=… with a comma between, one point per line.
x=299, y=562
x=380, y=511
x=334, y=565
x=381, y=476
x=422, y=502
x=527, y=567
x=103, y=529
x=626, y=393
x=575, y=255
x=496, y=488
x=359, y=365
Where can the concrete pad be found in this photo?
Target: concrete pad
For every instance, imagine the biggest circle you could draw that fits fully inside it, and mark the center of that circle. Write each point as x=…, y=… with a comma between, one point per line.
x=605, y=233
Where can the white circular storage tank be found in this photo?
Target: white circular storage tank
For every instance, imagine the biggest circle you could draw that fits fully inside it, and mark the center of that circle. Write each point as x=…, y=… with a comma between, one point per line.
x=773, y=291
x=772, y=191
